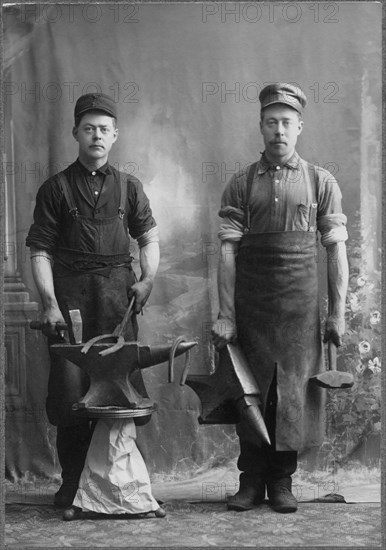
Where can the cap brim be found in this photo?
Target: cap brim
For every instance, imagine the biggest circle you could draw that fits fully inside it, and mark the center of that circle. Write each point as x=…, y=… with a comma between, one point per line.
x=109, y=113
x=297, y=107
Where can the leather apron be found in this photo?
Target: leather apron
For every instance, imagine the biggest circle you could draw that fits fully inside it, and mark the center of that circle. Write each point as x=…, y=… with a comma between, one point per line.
x=91, y=273
x=278, y=326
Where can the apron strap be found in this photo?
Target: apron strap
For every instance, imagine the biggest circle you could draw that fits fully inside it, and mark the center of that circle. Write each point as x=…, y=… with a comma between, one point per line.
x=68, y=195
x=123, y=185
x=314, y=205
x=250, y=177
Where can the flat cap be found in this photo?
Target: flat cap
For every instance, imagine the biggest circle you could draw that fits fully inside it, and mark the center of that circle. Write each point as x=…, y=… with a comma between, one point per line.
x=97, y=101
x=283, y=93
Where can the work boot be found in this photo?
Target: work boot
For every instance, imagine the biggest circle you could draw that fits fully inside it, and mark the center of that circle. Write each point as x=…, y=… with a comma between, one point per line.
x=66, y=494
x=250, y=494
x=280, y=497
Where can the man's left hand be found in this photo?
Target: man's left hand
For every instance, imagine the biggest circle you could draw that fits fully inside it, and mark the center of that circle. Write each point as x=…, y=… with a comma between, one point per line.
x=141, y=291
x=334, y=330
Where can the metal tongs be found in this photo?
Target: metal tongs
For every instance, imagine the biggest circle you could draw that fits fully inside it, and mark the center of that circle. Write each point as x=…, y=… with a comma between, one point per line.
x=118, y=334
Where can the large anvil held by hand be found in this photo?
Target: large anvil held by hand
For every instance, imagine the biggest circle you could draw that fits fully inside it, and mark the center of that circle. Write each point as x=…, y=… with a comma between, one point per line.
x=110, y=374
x=230, y=394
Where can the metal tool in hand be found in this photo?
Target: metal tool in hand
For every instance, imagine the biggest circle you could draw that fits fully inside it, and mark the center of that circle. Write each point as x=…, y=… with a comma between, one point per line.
x=74, y=331
x=117, y=333
x=332, y=378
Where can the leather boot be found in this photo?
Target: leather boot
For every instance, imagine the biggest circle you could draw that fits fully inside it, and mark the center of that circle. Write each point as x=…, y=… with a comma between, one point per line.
x=72, y=444
x=280, y=497
x=251, y=493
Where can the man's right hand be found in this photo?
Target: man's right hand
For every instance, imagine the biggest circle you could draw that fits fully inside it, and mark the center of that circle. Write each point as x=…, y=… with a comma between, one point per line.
x=223, y=332
x=49, y=319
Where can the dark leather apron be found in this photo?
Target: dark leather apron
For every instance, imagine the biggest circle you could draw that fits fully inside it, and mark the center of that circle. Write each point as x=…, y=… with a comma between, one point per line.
x=92, y=273
x=278, y=325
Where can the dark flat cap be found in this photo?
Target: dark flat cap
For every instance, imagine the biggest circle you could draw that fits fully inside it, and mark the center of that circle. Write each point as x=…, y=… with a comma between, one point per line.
x=283, y=93
x=92, y=102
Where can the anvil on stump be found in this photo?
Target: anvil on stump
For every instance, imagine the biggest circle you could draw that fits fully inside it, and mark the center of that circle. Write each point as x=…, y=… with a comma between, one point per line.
x=230, y=394
x=110, y=385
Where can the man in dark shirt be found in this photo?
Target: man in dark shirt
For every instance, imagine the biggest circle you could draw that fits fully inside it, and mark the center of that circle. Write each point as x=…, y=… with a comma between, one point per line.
x=81, y=260
x=268, y=294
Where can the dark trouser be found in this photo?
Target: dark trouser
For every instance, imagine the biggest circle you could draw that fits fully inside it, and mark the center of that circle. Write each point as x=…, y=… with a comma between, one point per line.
x=264, y=463
x=72, y=443
x=66, y=385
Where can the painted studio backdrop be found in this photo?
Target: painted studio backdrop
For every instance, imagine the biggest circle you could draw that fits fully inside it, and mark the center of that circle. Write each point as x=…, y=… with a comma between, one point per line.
x=186, y=79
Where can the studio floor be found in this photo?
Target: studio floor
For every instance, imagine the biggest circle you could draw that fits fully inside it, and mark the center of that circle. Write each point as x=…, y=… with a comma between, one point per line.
x=197, y=516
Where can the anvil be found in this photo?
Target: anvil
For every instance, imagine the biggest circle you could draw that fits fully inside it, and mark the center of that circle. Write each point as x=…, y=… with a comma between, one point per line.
x=230, y=394
x=110, y=375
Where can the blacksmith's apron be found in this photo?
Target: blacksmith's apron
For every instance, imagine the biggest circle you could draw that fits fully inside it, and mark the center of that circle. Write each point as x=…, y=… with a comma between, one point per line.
x=92, y=272
x=278, y=326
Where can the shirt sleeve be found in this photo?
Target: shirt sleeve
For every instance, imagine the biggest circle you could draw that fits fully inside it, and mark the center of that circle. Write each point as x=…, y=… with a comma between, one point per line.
x=232, y=209
x=140, y=217
x=151, y=236
x=44, y=232
x=232, y=199
x=331, y=221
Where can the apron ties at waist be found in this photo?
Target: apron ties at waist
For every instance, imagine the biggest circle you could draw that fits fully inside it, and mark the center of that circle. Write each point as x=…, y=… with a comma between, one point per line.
x=69, y=262
x=291, y=244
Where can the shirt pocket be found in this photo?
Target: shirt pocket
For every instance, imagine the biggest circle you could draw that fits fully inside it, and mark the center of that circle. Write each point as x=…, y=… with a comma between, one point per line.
x=302, y=217
x=305, y=219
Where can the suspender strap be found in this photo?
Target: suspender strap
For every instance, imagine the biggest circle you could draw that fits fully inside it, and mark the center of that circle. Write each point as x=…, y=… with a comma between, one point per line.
x=123, y=185
x=68, y=195
x=314, y=205
x=250, y=176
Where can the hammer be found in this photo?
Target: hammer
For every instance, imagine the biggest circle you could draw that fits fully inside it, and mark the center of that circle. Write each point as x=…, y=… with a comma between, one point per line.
x=75, y=331
x=332, y=378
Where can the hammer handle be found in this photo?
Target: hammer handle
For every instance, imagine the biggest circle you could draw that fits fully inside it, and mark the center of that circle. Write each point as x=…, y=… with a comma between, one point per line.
x=37, y=325
x=331, y=355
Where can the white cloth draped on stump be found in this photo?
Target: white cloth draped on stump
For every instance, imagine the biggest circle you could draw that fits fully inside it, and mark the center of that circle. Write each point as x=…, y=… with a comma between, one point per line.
x=115, y=478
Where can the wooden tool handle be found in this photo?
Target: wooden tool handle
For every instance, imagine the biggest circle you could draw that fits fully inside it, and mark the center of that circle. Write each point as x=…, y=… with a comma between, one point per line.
x=331, y=355
x=37, y=325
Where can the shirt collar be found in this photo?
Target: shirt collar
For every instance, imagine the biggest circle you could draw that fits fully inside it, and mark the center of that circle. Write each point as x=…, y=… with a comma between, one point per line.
x=263, y=164
x=105, y=169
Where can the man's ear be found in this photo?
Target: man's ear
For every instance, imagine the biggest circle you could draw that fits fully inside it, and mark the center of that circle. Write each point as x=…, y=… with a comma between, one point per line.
x=116, y=132
x=75, y=132
x=300, y=127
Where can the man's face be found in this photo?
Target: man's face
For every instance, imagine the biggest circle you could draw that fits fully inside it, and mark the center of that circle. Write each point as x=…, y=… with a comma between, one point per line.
x=280, y=127
x=95, y=135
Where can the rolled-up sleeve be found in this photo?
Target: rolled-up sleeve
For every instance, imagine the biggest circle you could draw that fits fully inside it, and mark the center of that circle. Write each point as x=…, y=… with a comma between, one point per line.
x=151, y=236
x=232, y=211
x=44, y=232
x=140, y=217
x=331, y=221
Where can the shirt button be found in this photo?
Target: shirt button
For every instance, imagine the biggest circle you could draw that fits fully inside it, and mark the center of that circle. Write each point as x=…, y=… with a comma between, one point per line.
x=96, y=193
x=277, y=167
x=277, y=181
x=93, y=173
x=276, y=199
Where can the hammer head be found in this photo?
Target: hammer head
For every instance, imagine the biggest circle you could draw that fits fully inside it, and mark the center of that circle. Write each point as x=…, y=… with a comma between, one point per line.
x=333, y=380
x=76, y=325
